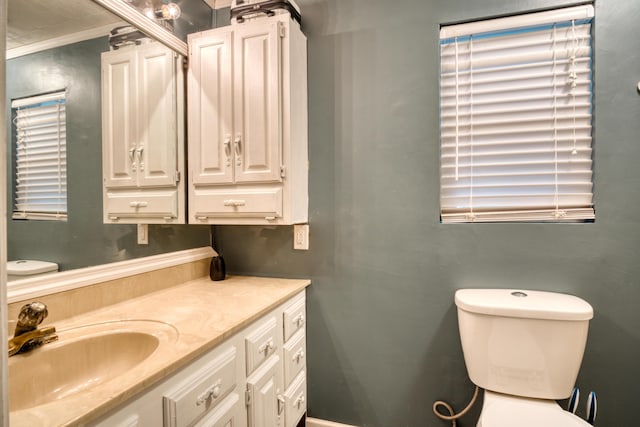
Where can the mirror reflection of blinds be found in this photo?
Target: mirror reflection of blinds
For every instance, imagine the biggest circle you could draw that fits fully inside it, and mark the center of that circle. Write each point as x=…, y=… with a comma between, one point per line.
x=516, y=112
x=41, y=157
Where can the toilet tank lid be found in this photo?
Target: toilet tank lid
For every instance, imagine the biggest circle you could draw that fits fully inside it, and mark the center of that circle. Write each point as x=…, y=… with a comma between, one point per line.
x=523, y=304
x=25, y=267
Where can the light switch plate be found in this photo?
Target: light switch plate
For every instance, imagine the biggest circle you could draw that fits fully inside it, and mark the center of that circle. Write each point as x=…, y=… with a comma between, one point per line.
x=143, y=234
x=301, y=237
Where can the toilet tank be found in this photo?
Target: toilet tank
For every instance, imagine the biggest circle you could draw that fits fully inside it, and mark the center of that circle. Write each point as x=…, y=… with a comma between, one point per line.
x=523, y=343
x=25, y=268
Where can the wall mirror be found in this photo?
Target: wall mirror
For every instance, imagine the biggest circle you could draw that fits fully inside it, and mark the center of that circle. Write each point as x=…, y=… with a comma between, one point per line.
x=56, y=45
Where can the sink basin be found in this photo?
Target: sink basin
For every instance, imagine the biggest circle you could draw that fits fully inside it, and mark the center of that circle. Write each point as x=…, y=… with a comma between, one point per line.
x=83, y=358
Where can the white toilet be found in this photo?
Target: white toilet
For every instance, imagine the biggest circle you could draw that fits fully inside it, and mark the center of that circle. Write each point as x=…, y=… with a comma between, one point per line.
x=525, y=349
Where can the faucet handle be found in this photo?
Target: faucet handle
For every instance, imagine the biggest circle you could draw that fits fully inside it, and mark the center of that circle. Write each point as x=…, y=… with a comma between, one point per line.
x=31, y=315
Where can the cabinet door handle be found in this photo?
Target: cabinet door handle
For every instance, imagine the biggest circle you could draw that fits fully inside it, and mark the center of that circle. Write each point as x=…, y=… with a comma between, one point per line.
x=298, y=356
x=299, y=401
x=281, y=403
x=212, y=392
x=233, y=202
x=299, y=320
x=238, y=147
x=267, y=347
x=227, y=146
x=140, y=162
x=132, y=158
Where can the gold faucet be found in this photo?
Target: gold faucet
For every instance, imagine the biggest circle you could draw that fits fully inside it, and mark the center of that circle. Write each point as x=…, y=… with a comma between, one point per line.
x=27, y=336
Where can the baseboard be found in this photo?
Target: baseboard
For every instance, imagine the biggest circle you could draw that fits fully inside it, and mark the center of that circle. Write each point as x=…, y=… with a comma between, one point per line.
x=314, y=422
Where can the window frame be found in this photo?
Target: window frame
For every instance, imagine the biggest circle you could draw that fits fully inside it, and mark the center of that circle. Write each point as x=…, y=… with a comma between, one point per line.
x=502, y=30
x=40, y=145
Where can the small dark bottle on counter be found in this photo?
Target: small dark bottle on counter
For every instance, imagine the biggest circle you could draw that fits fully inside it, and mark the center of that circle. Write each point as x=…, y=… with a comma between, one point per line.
x=216, y=269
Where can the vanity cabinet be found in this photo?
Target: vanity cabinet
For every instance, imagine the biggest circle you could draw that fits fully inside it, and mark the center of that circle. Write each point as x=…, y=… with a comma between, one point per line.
x=256, y=378
x=142, y=135
x=247, y=124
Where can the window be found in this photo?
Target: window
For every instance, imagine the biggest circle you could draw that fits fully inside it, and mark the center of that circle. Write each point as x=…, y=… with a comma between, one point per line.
x=41, y=157
x=516, y=111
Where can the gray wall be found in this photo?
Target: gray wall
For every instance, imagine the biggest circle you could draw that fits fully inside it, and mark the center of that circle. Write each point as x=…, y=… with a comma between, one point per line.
x=83, y=240
x=382, y=330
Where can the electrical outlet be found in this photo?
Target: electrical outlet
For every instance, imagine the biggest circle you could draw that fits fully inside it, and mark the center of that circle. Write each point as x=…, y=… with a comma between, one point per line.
x=301, y=237
x=143, y=234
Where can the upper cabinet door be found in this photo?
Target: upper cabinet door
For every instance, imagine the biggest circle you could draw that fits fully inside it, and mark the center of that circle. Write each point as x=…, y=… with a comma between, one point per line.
x=155, y=153
x=257, y=131
x=118, y=118
x=210, y=109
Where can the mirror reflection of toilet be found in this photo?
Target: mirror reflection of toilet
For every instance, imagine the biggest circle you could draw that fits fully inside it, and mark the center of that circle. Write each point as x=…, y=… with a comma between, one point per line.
x=23, y=268
x=524, y=348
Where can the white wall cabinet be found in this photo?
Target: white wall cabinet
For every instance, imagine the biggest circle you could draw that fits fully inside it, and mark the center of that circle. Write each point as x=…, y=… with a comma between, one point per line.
x=142, y=135
x=247, y=123
x=256, y=378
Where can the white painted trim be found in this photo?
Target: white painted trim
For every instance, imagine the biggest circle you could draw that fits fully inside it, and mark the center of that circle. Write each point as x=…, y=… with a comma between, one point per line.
x=63, y=40
x=72, y=279
x=147, y=26
x=4, y=367
x=314, y=422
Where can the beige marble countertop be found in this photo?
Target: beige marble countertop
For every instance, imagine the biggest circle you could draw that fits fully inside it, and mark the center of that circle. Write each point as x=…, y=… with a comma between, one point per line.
x=202, y=312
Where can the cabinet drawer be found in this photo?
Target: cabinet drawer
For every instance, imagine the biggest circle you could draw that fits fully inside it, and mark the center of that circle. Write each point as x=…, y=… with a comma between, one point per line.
x=225, y=415
x=201, y=391
x=261, y=343
x=295, y=353
x=237, y=203
x=157, y=204
x=294, y=317
x=295, y=400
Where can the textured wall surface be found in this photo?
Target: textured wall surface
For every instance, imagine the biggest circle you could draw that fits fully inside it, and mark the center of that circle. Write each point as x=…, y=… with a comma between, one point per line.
x=83, y=240
x=382, y=331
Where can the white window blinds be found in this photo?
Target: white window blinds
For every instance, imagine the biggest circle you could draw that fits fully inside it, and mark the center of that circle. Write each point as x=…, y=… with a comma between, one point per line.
x=41, y=157
x=516, y=111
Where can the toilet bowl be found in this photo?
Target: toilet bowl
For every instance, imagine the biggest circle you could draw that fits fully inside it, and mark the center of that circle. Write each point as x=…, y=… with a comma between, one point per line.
x=525, y=349
x=502, y=410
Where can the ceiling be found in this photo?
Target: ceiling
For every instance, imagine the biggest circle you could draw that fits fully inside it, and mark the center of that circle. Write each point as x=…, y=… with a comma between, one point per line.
x=33, y=21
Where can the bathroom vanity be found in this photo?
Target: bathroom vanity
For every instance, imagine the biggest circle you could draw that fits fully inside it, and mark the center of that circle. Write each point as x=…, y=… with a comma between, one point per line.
x=200, y=353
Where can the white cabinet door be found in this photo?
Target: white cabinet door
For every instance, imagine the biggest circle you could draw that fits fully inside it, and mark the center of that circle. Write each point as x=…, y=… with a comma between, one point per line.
x=247, y=124
x=141, y=133
x=119, y=132
x=263, y=408
x=157, y=133
x=210, y=114
x=257, y=124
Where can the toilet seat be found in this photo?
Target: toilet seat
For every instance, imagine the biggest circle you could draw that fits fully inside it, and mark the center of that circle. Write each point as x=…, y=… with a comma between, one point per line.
x=501, y=410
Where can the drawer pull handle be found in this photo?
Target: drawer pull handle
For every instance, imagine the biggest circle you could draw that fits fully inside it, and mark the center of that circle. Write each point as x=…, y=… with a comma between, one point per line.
x=298, y=356
x=212, y=392
x=281, y=403
x=299, y=320
x=232, y=202
x=138, y=204
x=299, y=401
x=267, y=347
